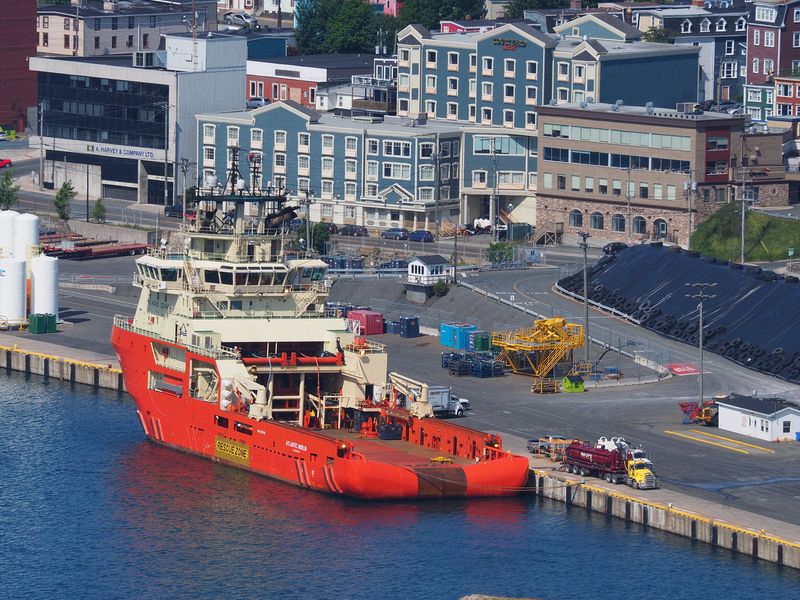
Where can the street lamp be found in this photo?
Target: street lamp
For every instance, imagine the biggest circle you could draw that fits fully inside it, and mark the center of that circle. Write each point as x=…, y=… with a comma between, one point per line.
x=584, y=245
x=700, y=294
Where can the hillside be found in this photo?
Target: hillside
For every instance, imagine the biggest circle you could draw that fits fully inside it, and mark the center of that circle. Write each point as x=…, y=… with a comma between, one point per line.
x=767, y=238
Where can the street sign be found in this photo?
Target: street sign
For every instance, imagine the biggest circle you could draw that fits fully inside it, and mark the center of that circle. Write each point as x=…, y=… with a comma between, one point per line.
x=790, y=251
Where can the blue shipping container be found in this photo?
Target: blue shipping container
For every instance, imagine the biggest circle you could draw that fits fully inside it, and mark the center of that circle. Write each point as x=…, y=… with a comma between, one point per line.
x=409, y=327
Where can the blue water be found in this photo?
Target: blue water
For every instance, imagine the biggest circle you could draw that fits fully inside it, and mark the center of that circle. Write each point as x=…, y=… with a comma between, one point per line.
x=89, y=509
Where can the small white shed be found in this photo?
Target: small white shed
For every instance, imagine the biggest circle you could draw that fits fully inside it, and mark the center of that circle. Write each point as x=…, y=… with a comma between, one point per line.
x=427, y=270
x=771, y=419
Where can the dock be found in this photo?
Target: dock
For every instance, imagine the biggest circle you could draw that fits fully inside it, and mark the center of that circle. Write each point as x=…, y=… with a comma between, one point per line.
x=690, y=517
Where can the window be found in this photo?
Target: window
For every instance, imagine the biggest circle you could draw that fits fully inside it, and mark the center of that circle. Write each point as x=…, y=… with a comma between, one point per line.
x=563, y=70
x=303, y=162
x=280, y=160
x=372, y=170
x=754, y=95
x=452, y=86
x=530, y=120
x=327, y=188
x=796, y=39
x=787, y=425
x=45, y=39
x=471, y=87
x=531, y=94
x=616, y=187
x=96, y=42
x=563, y=94
x=486, y=115
x=531, y=69
x=350, y=167
x=351, y=144
x=113, y=41
x=145, y=40
x=371, y=190
x=721, y=24
x=596, y=220
x=304, y=140
x=391, y=148
x=769, y=66
x=575, y=218
x=508, y=93
x=588, y=184
x=769, y=39
x=618, y=223
x=765, y=15
x=430, y=107
x=452, y=59
x=425, y=149
x=755, y=65
x=741, y=24
x=444, y=172
x=575, y=183
x=349, y=212
x=114, y=23
x=452, y=110
x=639, y=225
x=473, y=62
x=472, y=112
x=426, y=173
x=729, y=47
x=66, y=24
x=372, y=147
x=456, y=148
x=705, y=26
x=784, y=89
x=479, y=178
x=508, y=118
x=487, y=64
x=671, y=192
x=444, y=149
x=404, y=55
x=430, y=58
x=717, y=143
x=209, y=154
x=426, y=194
x=403, y=80
x=152, y=21
x=509, y=67
x=46, y=22
x=602, y=185
x=280, y=138
x=430, y=84
x=487, y=88
x=658, y=191
x=578, y=73
x=729, y=70
x=397, y=171
x=256, y=138
x=66, y=41
x=561, y=182
x=644, y=190
x=327, y=166
x=327, y=143
x=686, y=26
x=349, y=190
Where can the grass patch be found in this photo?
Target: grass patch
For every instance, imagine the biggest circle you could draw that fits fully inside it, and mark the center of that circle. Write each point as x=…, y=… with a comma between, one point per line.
x=767, y=238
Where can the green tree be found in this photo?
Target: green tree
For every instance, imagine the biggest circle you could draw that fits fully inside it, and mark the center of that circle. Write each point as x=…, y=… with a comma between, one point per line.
x=99, y=211
x=320, y=234
x=63, y=200
x=8, y=191
x=658, y=35
x=516, y=8
x=500, y=252
x=313, y=17
x=350, y=29
x=440, y=288
x=430, y=12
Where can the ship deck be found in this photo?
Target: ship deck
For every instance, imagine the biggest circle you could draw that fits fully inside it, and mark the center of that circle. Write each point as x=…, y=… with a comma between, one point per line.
x=392, y=451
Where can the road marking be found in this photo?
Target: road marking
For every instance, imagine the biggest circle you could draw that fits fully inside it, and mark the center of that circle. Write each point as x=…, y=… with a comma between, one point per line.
x=709, y=442
x=720, y=437
x=682, y=369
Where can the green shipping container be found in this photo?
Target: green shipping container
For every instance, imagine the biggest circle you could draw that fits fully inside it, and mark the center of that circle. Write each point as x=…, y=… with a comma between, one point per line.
x=50, y=320
x=36, y=324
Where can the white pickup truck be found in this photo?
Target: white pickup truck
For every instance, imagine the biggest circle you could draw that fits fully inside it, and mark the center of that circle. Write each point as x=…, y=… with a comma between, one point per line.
x=445, y=403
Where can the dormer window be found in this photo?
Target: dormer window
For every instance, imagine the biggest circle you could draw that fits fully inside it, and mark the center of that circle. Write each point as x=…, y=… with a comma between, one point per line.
x=705, y=26
x=721, y=24
x=765, y=15
x=741, y=24
x=686, y=26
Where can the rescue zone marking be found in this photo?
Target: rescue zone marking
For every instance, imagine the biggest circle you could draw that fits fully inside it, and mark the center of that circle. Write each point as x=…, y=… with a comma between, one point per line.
x=721, y=437
x=709, y=442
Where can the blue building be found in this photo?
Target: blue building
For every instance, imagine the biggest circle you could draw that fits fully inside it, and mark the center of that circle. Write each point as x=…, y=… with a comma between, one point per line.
x=377, y=172
x=493, y=81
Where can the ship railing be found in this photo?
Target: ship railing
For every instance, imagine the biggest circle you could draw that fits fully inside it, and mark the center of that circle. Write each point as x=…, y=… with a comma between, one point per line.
x=126, y=323
x=361, y=345
x=260, y=314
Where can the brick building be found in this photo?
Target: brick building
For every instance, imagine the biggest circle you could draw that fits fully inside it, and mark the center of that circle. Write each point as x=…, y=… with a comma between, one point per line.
x=17, y=43
x=633, y=173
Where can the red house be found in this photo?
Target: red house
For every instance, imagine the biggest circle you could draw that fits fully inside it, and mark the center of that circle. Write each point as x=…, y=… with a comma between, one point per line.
x=17, y=43
x=773, y=41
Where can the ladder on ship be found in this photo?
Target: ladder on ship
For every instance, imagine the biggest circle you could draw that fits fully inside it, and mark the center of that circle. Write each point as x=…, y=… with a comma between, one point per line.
x=192, y=283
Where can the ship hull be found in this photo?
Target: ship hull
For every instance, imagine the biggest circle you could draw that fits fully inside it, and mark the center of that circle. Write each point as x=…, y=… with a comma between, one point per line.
x=309, y=458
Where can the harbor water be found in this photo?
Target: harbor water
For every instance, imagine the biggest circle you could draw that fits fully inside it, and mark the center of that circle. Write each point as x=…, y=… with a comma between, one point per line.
x=90, y=509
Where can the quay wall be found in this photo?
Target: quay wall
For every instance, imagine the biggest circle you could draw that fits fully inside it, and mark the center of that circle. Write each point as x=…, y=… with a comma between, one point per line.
x=666, y=517
x=76, y=371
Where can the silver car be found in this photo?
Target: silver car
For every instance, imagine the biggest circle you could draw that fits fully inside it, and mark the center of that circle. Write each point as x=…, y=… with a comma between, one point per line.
x=241, y=19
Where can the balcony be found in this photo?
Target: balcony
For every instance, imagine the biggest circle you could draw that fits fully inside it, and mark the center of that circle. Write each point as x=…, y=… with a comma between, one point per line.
x=374, y=105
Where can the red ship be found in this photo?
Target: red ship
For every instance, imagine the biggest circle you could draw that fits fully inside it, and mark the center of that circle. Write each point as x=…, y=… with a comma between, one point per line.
x=232, y=356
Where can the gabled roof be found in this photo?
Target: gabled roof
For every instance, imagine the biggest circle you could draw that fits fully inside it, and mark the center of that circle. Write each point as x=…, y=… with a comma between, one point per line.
x=526, y=31
x=609, y=22
x=764, y=406
x=415, y=32
x=431, y=259
x=312, y=115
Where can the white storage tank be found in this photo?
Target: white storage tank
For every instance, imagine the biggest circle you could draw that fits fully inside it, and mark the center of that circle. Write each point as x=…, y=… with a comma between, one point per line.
x=27, y=235
x=44, y=285
x=7, y=224
x=12, y=290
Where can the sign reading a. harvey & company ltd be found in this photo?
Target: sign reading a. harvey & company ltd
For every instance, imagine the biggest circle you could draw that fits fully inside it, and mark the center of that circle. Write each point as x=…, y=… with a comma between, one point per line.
x=121, y=151
x=509, y=44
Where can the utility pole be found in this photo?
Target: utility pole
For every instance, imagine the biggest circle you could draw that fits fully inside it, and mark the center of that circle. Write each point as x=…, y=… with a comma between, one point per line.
x=166, y=155
x=493, y=216
x=584, y=245
x=628, y=224
x=185, y=164
x=744, y=213
x=87, y=192
x=280, y=15
x=437, y=183
x=701, y=295
x=41, y=145
x=309, y=197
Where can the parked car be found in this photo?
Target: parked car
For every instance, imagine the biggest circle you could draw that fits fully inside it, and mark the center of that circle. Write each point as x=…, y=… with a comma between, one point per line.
x=3, y=136
x=331, y=227
x=614, y=247
x=395, y=233
x=176, y=210
x=420, y=236
x=5, y=162
x=544, y=444
x=353, y=230
x=241, y=19
x=257, y=102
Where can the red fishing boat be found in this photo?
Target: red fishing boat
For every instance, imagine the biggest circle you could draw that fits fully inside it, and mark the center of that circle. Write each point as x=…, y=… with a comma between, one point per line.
x=232, y=356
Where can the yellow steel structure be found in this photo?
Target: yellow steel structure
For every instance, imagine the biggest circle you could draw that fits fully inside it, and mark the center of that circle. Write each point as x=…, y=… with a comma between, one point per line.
x=536, y=350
